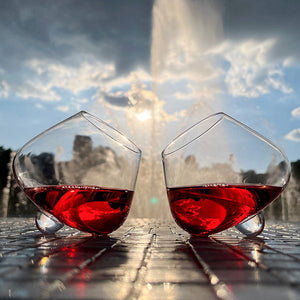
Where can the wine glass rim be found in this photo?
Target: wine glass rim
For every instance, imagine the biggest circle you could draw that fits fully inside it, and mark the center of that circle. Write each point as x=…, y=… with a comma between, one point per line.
x=165, y=151
x=130, y=145
x=221, y=116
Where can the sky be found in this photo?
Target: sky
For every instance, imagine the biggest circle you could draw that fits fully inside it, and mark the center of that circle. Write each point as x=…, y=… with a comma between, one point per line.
x=150, y=68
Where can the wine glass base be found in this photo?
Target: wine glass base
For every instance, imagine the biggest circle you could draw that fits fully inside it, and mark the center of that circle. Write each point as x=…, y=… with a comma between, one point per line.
x=47, y=225
x=253, y=226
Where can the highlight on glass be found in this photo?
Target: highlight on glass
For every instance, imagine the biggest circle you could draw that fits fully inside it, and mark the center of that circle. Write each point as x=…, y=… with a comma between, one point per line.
x=219, y=173
x=81, y=172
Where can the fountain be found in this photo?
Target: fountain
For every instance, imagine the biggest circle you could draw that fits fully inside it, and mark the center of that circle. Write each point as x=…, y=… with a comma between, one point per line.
x=181, y=35
x=178, y=93
x=6, y=190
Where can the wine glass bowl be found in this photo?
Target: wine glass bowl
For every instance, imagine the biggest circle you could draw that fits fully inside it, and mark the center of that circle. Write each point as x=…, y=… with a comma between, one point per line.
x=219, y=173
x=81, y=172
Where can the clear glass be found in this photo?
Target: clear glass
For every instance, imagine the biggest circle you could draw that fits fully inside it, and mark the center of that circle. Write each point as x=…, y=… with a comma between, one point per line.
x=80, y=172
x=252, y=227
x=47, y=224
x=219, y=173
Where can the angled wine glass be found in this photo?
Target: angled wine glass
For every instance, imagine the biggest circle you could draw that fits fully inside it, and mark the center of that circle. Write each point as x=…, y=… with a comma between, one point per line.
x=219, y=173
x=81, y=172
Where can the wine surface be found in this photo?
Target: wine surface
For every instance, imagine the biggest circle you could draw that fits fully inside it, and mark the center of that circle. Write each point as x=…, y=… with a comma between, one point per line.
x=208, y=209
x=87, y=208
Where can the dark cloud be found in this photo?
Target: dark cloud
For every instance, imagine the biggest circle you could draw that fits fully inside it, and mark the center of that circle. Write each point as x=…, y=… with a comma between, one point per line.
x=120, y=101
x=244, y=19
x=118, y=31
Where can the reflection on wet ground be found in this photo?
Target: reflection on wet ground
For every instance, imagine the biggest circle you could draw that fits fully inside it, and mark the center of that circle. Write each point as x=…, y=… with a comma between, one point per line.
x=148, y=259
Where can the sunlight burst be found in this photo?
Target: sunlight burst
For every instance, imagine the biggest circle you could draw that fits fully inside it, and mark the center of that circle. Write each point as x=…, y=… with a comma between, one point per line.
x=144, y=115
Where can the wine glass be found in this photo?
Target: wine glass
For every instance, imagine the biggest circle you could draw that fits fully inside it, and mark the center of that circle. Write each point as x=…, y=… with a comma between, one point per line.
x=219, y=173
x=81, y=172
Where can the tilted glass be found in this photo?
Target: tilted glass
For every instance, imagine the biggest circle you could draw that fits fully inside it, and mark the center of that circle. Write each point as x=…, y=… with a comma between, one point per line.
x=220, y=172
x=81, y=172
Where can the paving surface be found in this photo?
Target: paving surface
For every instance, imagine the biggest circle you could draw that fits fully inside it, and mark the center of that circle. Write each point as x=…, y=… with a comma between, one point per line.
x=148, y=259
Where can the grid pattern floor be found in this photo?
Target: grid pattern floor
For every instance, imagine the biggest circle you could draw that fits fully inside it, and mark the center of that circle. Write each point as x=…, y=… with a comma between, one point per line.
x=148, y=259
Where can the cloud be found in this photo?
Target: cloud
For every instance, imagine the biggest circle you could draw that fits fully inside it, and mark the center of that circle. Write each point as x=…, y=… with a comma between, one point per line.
x=96, y=28
x=63, y=108
x=31, y=89
x=48, y=80
x=260, y=41
x=83, y=100
x=193, y=45
x=296, y=112
x=121, y=100
x=72, y=45
x=4, y=89
x=294, y=135
x=58, y=53
x=96, y=45
x=250, y=72
x=39, y=106
x=124, y=81
x=74, y=79
x=136, y=100
x=120, y=92
x=262, y=20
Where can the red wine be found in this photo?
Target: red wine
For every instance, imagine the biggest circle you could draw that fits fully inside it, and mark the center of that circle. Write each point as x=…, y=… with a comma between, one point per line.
x=207, y=209
x=87, y=208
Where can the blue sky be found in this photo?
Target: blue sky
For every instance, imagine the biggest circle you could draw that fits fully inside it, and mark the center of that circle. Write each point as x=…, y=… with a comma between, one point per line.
x=129, y=61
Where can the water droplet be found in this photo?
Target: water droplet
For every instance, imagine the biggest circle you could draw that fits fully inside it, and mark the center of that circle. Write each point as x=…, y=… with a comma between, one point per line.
x=47, y=225
x=253, y=226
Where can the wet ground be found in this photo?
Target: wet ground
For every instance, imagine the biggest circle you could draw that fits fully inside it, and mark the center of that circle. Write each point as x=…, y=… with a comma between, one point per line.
x=148, y=259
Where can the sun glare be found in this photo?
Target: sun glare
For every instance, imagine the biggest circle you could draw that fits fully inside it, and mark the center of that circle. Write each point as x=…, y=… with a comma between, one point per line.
x=144, y=115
